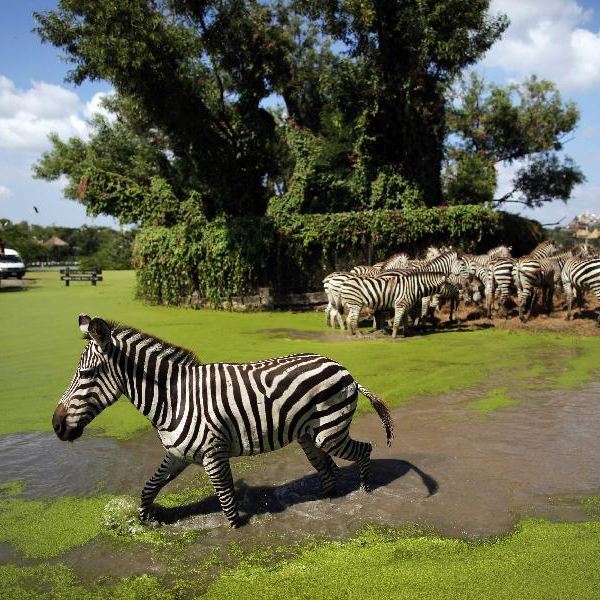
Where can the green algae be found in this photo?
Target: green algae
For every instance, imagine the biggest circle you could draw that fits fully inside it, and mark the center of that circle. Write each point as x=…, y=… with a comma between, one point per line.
x=59, y=582
x=539, y=560
x=592, y=506
x=43, y=529
x=495, y=399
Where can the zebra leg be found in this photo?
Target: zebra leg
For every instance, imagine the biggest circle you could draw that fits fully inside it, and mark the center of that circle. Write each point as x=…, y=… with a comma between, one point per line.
x=323, y=464
x=569, y=296
x=352, y=320
x=489, y=297
x=340, y=320
x=168, y=470
x=399, y=317
x=328, y=311
x=218, y=469
x=358, y=452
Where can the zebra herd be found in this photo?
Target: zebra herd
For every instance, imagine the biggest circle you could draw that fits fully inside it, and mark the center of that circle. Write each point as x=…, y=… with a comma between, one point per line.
x=412, y=288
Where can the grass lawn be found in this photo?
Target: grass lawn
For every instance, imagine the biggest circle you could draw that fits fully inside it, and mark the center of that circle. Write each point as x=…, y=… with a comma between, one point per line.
x=38, y=354
x=41, y=345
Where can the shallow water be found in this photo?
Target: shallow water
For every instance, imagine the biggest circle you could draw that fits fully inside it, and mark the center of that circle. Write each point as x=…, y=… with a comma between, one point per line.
x=451, y=469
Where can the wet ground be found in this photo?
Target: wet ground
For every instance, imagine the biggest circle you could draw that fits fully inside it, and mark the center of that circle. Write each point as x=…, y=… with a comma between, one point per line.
x=451, y=469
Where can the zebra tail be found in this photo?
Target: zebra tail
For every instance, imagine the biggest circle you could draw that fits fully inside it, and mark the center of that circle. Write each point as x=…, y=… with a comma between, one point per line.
x=382, y=410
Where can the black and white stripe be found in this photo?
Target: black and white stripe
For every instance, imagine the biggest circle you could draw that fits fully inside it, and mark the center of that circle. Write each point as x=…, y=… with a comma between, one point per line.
x=399, y=290
x=207, y=413
x=579, y=275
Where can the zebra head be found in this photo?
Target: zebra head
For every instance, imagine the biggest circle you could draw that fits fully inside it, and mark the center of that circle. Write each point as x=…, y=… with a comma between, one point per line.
x=460, y=267
x=94, y=386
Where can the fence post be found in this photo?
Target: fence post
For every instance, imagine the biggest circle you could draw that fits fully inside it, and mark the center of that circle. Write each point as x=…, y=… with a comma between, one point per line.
x=67, y=282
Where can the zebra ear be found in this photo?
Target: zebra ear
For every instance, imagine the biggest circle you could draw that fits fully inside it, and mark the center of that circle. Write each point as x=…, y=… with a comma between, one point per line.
x=99, y=331
x=84, y=323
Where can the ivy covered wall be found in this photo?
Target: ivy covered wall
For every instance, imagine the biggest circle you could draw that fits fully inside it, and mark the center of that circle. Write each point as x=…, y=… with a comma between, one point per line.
x=231, y=256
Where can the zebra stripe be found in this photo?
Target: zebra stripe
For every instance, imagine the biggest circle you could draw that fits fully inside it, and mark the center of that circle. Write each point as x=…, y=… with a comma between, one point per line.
x=393, y=290
x=207, y=413
x=500, y=284
x=579, y=275
x=365, y=271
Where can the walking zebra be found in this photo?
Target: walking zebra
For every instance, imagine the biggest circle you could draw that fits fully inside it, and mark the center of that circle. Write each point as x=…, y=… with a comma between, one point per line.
x=500, y=282
x=393, y=290
x=205, y=414
x=580, y=274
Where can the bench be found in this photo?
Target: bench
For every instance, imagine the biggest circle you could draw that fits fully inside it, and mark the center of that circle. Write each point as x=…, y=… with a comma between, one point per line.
x=67, y=275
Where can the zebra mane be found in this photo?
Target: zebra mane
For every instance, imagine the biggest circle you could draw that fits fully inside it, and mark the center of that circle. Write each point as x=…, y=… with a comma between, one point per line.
x=179, y=353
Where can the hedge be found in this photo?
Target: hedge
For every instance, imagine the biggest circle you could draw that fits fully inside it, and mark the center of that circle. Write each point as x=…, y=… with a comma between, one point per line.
x=229, y=256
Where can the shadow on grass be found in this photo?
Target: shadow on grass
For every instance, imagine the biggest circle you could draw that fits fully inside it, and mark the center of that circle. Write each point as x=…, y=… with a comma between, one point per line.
x=257, y=500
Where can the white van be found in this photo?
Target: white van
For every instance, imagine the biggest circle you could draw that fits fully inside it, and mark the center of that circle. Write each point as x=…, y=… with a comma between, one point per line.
x=11, y=264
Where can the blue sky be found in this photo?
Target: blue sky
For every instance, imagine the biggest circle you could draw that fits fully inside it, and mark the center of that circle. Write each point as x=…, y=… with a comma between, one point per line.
x=555, y=39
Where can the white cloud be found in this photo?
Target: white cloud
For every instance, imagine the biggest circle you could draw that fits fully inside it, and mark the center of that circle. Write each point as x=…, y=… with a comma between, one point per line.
x=28, y=116
x=94, y=107
x=586, y=197
x=548, y=38
x=4, y=192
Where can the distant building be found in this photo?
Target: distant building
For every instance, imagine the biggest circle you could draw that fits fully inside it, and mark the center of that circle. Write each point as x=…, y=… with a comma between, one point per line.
x=55, y=242
x=587, y=220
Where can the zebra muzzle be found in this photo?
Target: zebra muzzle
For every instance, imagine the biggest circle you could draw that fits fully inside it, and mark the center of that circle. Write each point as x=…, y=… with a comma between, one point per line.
x=62, y=430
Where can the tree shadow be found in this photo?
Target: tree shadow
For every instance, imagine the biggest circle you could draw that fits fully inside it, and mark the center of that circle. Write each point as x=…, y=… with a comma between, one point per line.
x=258, y=500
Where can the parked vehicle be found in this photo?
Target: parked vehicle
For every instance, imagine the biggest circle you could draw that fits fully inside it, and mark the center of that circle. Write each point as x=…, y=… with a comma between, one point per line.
x=11, y=264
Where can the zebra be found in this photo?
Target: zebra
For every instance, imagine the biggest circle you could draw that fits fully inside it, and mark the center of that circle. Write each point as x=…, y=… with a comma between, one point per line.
x=365, y=271
x=397, y=261
x=332, y=285
x=398, y=290
x=500, y=252
x=579, y=274
x=529, y=274
x=500, y=282
x=449, y=290
x=207, y=413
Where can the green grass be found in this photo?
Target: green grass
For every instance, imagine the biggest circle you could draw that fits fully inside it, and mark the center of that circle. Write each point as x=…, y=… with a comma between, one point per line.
x=41, y=345
x=39, y=351
x=540, y=560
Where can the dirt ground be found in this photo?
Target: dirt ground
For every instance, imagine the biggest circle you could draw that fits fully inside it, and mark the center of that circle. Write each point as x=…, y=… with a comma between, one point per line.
x=584, y=321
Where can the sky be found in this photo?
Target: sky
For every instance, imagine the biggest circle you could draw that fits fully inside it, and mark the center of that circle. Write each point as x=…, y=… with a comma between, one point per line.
x=555, y=39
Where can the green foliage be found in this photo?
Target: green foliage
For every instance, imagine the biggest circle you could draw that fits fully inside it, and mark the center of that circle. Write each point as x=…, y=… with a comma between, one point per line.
x=292, y=252
x=546, y=178
x=404, y=55
x=92, y=246
x=470, y=179
x=519, y=122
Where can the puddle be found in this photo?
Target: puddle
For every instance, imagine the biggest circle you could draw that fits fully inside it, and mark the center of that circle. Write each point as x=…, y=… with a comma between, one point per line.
x=51, y=468
x=450, y=469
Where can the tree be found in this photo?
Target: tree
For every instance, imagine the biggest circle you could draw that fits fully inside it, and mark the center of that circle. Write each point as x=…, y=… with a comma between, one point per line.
x=525, y=123
x=195, y=74
x=407, y=52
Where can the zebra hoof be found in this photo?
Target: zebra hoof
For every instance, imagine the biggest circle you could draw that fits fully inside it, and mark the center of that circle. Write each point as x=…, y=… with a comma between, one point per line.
x=147, y=514
x=366, y=488
x=236, y=522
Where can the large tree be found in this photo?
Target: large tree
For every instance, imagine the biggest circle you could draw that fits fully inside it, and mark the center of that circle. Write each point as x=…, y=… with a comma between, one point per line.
x=196, y=74
x=408, y=53
x=525, y=124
